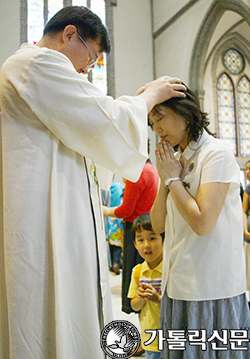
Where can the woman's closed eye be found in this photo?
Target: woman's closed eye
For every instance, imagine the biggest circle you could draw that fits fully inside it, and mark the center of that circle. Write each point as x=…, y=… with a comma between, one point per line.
x=151, y=124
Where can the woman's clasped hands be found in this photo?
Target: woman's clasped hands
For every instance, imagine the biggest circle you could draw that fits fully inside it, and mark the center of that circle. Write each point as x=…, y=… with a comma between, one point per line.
x=167, y=163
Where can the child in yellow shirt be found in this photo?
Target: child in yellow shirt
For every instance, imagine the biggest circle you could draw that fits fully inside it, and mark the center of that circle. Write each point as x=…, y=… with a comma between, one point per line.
x=145, y=284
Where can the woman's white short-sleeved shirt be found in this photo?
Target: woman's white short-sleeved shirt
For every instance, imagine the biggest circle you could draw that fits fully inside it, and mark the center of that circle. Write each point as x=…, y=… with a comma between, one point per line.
x=210, y=266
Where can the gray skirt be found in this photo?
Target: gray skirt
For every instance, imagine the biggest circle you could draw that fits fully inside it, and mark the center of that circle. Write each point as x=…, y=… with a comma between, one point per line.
x=212, y=329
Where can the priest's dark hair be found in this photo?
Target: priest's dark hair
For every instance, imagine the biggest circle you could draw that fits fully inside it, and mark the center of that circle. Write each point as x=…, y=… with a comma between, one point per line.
x=88, y=24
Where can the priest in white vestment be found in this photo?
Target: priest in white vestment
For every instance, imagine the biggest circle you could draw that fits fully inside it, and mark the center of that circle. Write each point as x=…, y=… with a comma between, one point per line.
x=54, y=288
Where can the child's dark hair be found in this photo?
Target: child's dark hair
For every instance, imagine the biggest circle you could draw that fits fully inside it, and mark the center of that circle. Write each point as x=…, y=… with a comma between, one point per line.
x=143, y=222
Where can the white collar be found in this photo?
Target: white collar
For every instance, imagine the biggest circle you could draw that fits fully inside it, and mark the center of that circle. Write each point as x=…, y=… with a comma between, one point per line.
x=193, y=146
x=145, y=267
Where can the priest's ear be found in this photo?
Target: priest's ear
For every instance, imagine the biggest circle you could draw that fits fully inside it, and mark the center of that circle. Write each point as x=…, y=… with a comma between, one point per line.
x=68, y=32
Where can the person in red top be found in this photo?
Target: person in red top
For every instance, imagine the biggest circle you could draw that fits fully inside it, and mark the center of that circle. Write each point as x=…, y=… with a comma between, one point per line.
x=138, y=198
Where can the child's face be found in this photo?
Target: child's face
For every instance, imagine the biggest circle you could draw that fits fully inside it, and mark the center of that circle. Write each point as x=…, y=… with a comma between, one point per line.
x=150, y=246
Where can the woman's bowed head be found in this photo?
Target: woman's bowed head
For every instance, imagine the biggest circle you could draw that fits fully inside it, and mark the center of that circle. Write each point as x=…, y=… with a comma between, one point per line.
x=179, y=120
x=161, y=89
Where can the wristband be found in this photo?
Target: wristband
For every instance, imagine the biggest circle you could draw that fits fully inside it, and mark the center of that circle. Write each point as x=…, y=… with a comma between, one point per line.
x=169, y=180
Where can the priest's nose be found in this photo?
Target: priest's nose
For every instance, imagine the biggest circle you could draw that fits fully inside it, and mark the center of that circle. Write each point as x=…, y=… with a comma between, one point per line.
x=85, y=69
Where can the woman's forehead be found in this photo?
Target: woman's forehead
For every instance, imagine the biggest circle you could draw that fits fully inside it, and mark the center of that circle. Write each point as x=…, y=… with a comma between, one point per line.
x=157, y=110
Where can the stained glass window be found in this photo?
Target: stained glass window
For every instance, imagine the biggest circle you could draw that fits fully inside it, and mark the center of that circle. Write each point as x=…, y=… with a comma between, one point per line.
x=233, y=61
x=79, y=2
x=37, y=19
x=99, y=73
x=226, y=112
x=53, y=7
x=243, y=94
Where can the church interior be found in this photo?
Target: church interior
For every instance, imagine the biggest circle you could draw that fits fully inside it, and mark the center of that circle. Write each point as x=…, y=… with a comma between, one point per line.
x=205, y=43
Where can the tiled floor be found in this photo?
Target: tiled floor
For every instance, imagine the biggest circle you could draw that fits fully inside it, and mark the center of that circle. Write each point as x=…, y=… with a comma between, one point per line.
x=115, y=283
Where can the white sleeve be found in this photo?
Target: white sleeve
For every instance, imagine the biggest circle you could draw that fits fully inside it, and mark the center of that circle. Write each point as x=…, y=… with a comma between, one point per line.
x=113, y=133
x=220, y=165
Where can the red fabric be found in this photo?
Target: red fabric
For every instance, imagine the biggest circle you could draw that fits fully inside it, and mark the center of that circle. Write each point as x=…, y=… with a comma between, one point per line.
x=139, y=197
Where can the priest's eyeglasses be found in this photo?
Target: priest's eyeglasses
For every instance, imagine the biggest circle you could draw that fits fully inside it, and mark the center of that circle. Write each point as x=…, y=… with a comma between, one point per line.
x=91, y=63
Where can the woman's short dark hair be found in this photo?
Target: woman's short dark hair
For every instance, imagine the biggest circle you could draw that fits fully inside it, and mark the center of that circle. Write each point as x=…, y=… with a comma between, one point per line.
x=143, y=222
x=189, y=108
x=88, y=24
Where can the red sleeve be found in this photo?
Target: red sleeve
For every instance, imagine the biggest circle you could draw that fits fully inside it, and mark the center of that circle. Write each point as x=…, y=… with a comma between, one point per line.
x=131, y=194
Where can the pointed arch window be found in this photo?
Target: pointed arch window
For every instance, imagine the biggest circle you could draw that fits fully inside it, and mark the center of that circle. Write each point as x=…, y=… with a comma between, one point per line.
x=227, y=126
x=243, y=92
x=233, y=100
x=39, y=12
